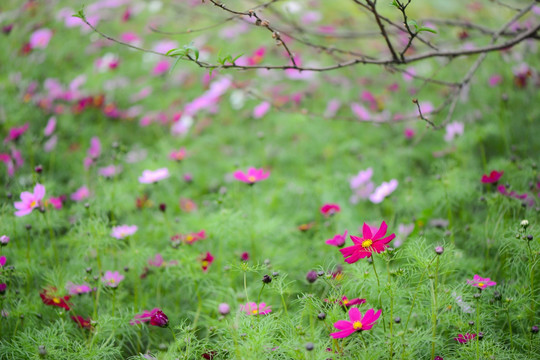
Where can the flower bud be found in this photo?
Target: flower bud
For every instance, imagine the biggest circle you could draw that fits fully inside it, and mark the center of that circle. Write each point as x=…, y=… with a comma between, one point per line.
x=266, y=279
x=524, y=223
x=311, y=276
x=224, y=308
x=439, y=250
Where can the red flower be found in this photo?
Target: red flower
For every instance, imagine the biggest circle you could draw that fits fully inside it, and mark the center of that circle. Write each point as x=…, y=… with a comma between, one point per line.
x=155, y=317
x=49, y=297
x=492, y=178
x=206, y=261
x=346, y=303
x=330, y=209
x=82, y=322
x=463, y=339
x=364, y=247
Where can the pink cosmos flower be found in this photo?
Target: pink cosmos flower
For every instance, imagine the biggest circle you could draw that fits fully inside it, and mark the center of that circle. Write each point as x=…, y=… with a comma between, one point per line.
x=526, y=198
x=338, y=240
x=480, y=282
x=156, y=261
x=346, y=303
x=364, y=247
x=193, y=237
x=332, y=108
x=463, y=339
x=492, y=178
x=15, y=132
x=403, y=232
x=206, y=260
x=360, y=111
x=363, y=177
x=257, y=56
x=2, y=261
x=149, y=176
x=109, y=171
x=6, y=159
x=82, y=193
x=178, y=155
x=155, y=317
x=330, y=209
x=260, y=110
x=383, y=190
x=30, y=201
x=409, y=133
x=74, y=289
x=112, y=279
x=188, y=205
x=4, y=240
x=49, y=128
x=161, y=68
x=495, y=80
x=252, y=176
x=357, y=322
x=57, y=202
x=251, y=308
x=123, y=231
x=224, y=308
x=40, y=38
x=453, y=130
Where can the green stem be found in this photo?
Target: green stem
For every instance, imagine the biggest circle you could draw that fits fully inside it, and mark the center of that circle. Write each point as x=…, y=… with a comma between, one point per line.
x=173, y=335
x=478, y=329
x=245, y=287
x=113, y=301
x=378, y=291
x=52, y=237
x=509, y=327
x=434, y=308
x=260, y=292
x=284, y=304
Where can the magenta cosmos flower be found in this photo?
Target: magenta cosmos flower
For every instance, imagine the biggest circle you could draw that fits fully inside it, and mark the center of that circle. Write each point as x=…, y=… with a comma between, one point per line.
x=155, y=317
x=123, y=231
x=149, y=176
x=492, y=178
x=75, y=289
x=178, y=155
x=251, y=308
x=338, y=240
x=480, y=282
x=112, y=279
x=330, y=209
x=16, y=132
x=356, y=323
x=40, y=38
x=30, y=201
x=463, y=339
x=206, y=260
x=347, y=303
x=251, y=176
x=364, y=247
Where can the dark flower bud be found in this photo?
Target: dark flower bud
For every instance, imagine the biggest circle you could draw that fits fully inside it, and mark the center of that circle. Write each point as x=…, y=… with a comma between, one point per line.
x=309, y=346
x=28, y=227
x=126, y=268
x=397, y=319
x=3, y=288
x=497, y=295
x=321, y=316
x=311, y=276
x=162, y=346
x=439, y=250
x=42, y=351
x=480, y=335
x=320, y=273
x=266, y=279
x=477, y=296
x=7, y=29
x=529, y=237
x=534, y=329
x=21, y=316
x=275, y=274
x=38, y=169
x=471, y=323
x=88, y=270
x=159, y=318
x=162, y=207
x=39, y=316
x=9, y=195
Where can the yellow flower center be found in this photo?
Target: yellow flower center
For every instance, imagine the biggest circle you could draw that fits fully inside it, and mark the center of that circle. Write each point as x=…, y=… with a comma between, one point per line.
x=251, y=178
x=79, y=289
x=112, y=281
x=255, y=311
x=33, y=203
x=345, y=302
x=367, y=243
x=189, y=238
x=205, y=263
x=481, y=284
x=357, y=325
x=56, y=300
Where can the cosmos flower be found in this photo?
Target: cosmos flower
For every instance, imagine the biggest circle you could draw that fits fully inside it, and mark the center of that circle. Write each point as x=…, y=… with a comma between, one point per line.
x=364, y=247
x=149, y=176
x=30, y=201
x=82, y=322
x=156, y=317
x=16, y=132
x=81, y=194
x=224, y=308
x=74, y=289
x=463, y=339
x=252, y=175
x=492, y=178
x=112, y=279
x=206, y=260
x=330, y=209
x=49, y=297
x=40, y=38
x=383, y=190
x=346, y=303
x=480, y=282
x=123, y=231
x=178, y=155
x=357, y=323
x=251, y=308
x=338, y=240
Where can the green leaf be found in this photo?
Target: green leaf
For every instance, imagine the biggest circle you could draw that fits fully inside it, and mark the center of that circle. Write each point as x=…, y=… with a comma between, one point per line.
x=394, y=3
x=80, y=14
x=426, y=29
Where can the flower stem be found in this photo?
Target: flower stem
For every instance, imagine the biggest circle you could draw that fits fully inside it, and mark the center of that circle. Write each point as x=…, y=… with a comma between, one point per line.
x=378, y=291
x=260, y=292
x=245, y=287
x=173, y=335
x=478, y=329
x=434, y=308
x=509, y=327
x=113, y=301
